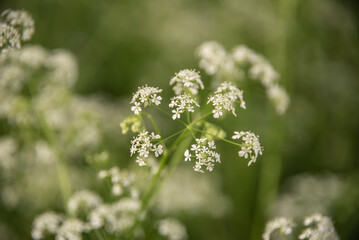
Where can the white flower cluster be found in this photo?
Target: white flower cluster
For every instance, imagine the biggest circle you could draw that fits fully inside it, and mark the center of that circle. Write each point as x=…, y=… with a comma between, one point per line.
x=83, y=201
x=116, y=217
x=172, y=229
x=20, y=20
x=63, y=66
x=8, y=149
x=260, y=69
x=71, y=229
x=44, y=224
x=212, y=55
x=9, y=38
x=319, y=227
x=279, y=97
x=182, y=103
x=145, y=96
x=230, y=66
x=204, y=154
x=225, y=97
x=251, y=147
x=280, y=225
x=216, y=62
x=186, y=81
x=14, y=27
x=121, y=180
x=142, y=145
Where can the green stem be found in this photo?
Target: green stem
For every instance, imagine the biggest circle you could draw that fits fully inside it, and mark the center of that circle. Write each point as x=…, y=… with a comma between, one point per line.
x=166, y=113
x=153, y=122
x=223, y=139
x=62, y=172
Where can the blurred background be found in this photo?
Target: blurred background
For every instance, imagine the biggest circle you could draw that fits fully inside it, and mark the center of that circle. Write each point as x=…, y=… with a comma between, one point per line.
x=311, y=155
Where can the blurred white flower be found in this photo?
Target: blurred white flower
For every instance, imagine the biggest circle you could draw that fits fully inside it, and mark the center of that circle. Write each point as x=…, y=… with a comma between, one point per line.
x=46, y=223
x=212, y=55
x=83, y=200
x=318, y=228
x=186, y=81
x=279, y=97
x=279, y=226
x=21, y=21
x=172, y=229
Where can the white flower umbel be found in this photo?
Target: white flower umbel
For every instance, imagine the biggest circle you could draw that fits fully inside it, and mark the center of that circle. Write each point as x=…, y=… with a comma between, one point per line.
x=244, y=55
x=264, y=72
x=280, y=225
x=9, y=38
x=319, y=227
x=204, y=154
x=117, y=217
x=182, y=103
x=143, y=144
x=121, y=180
x=71, y=229
x=186, y=81
x=45, y=224
x=21, y=21
x=172, y=229
x=83, y=200
x=212, y=56
x=279, y=97
x=225, y=97
x=251, y=147
x=145, y=96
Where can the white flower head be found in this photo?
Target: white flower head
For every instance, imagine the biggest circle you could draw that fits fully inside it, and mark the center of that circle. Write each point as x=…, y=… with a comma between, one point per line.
x=264, y=72
x=116, y=217
x=71, y=229
x=21, y=21
x=225, y=97
x=279, y=97
x=121, y=180
x=243, y=55
x=186, y=81
x=172, y=229
x=251, y=147
x=204, y=153
x=143, y=145
x=145, y=96
x=182, y=103
x=280, y=225
x=212, y=55
x=83, y=200
x=9, y=38
x=44, y=224
x=318, y=227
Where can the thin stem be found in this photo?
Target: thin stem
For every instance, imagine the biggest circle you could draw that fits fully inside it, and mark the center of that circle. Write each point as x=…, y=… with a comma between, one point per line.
x=223, y=139
x=153, y=122
x=171, y=136
x=62, y=172
x=201, y=118
x=166, y=113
